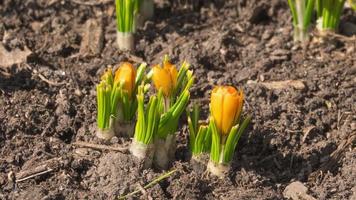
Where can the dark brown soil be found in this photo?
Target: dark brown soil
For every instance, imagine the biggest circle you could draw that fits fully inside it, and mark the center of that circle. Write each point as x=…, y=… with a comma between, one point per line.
x=301, y=133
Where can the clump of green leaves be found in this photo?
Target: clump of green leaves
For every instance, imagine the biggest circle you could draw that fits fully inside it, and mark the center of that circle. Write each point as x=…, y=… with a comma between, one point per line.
x=175, y=88
x=126, y=11
x=116, y=100
x=126, y=22
x=107, y=100
x=328, y=13
x=147, y=117
x=199, y=135
x=223, y=148
x=302, y=11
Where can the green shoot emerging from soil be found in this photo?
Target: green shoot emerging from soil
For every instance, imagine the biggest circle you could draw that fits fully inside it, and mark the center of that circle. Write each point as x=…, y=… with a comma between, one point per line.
x=116, y=100
x=302, y=11
x=126, y=11
x=222, y=148
x=147, y=118
x=226, y=127
x=107, y=100
x=175, y=88
x=328, y=13
x=128, y=80
x=126, y=16
x=199, y=135
x=146, y=127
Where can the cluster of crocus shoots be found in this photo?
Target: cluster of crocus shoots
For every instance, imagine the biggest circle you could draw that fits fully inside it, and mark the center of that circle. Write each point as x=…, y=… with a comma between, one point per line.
x=129, y=15
x=328, y=14
x=174, y=86
x=302, y=17
x=121, y=101
x=116, y=100
x=225, y=128
x=155, y=136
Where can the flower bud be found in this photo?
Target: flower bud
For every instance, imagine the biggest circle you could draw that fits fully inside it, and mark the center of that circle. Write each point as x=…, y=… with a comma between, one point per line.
x=172, y=71
x=226, y=105
x=126, y=75
x=165, y=78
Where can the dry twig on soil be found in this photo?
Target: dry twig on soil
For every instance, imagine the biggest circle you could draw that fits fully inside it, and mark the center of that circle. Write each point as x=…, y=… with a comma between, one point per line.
x=44, y=168
x=43, y=78
x=155, y=181
x=101, y=147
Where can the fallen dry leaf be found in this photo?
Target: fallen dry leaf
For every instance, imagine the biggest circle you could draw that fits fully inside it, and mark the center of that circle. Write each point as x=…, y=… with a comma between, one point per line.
x=15, y=56
x=275, y=85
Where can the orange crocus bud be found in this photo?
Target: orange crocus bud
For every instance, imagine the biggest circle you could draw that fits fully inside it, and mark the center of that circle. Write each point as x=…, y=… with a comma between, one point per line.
x=226, y=106
x=172, y=71
x=165, y=78
x=126, y=75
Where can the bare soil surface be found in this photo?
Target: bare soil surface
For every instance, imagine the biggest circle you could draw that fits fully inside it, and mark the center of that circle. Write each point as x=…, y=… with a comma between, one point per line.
x=301, y=97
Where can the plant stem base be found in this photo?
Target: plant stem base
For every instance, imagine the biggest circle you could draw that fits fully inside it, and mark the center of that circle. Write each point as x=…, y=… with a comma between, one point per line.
x=199, y=162
x=125, y=41
x=142, y=152
x=164, y=152
x=300, y=35
x=106, y=134
x=219, y=170
x=124, y=129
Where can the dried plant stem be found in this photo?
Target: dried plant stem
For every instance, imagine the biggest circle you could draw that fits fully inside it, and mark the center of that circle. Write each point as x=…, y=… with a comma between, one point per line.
x=155, y=181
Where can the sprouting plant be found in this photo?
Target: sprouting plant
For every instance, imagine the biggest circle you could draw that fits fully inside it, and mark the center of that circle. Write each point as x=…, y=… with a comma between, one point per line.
x=199, y=135
x=146, y=127
x=116, y=100
x=226, y=127
x=302, y=11
x=107, y=100
x=126, y=17
x=175, y=88
x=128, y=80
x=328, y=13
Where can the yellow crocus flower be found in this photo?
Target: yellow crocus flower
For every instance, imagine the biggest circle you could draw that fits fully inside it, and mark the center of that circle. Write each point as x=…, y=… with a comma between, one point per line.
x=126, y=75
x=226, y=105
x=172, y=71
x=165, y=78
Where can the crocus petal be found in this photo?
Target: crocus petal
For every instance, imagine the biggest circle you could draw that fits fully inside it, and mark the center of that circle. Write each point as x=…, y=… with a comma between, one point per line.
x=240, y=103
x=172, y=71
x=230, y=108
x=126, y=74
x=216, y=105
x=226, y=106
x=162, y=80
